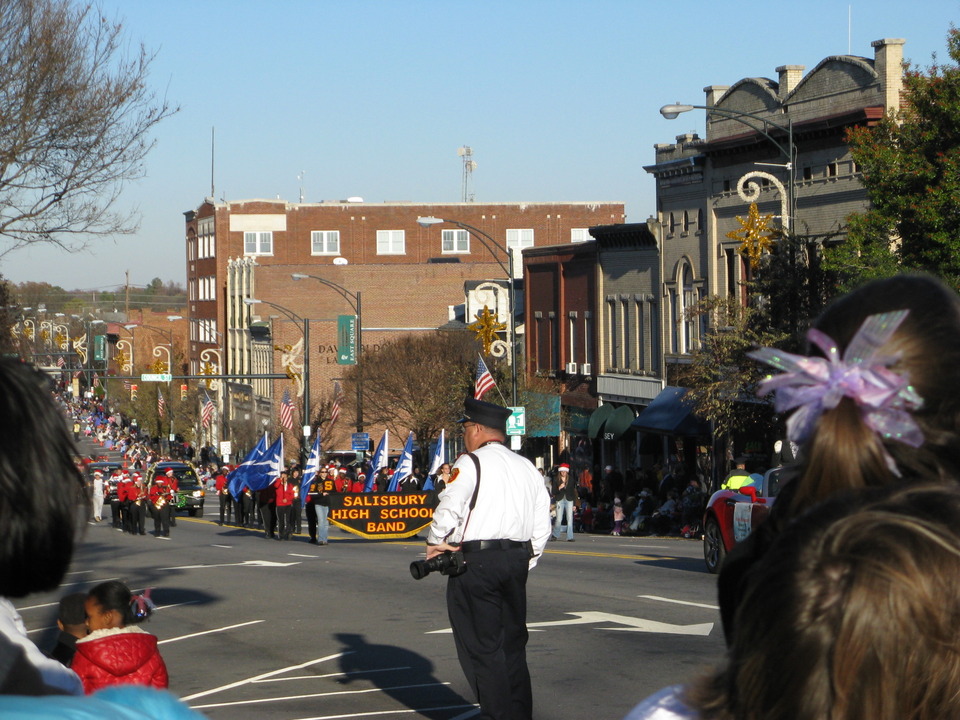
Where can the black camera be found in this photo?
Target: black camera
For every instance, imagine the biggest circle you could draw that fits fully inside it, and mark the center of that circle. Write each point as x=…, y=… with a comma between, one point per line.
x=447, y=563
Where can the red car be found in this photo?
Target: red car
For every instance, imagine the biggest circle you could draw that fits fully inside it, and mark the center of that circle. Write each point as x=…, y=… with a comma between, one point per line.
x=731, y=515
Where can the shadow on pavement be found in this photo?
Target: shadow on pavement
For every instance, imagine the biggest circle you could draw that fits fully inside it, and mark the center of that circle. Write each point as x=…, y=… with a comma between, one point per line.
x=402, y=674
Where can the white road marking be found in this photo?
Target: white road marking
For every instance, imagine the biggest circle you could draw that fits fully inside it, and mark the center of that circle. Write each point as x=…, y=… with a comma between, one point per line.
x=208, y=632
x=632, y=624
x=228, y=547
x=679, y=602
x=334, y=693
x=300, y=555
x=248, y=563
x=272, y=673
x=470, y=714
x=330, y=675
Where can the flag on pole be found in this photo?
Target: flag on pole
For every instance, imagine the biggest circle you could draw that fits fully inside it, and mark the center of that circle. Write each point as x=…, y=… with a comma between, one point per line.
x=337, y=401
x=286, y=411
x=439, y=458
x=126, y=384
x=206, y=415
x=404, y=466
x=378, y=461
x=160, y=403
x=237, y=477
x=484, y=382
x=263, y=472
x=60, y=361
x=310, y=471
x=96, y=380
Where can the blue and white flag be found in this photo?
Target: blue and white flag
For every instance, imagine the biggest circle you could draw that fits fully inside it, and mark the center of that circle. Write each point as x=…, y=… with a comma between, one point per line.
x=267, y=469
x=378, y=461
x=310, y=471
x=404, y=466
x=236, y=479
x=439, y=458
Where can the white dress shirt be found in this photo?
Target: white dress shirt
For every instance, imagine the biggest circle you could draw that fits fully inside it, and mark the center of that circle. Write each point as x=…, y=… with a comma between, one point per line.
x=512, y=504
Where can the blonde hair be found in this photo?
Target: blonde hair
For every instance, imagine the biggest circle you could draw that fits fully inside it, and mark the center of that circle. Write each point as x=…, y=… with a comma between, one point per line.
x=843, y=453
x=854, y=614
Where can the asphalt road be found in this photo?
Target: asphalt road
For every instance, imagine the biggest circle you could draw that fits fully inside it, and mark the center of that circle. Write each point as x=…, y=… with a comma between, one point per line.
x=256, y=628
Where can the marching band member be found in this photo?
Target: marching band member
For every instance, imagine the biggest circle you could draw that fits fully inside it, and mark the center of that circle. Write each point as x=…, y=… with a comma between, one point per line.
x=161, y=497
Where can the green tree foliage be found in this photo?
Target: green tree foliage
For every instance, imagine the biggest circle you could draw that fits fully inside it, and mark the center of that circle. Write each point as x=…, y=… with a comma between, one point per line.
x=721, y=377
x=911, y=171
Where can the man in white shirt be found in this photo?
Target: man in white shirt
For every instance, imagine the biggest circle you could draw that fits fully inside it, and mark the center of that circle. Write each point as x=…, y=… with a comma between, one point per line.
x=501, y=538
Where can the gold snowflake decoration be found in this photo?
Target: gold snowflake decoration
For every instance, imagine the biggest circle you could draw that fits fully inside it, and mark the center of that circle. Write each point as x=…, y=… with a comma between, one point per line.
x=123, y=363
x=159, y=366
x=755, y=235
x=486, y=328
x=208, y=368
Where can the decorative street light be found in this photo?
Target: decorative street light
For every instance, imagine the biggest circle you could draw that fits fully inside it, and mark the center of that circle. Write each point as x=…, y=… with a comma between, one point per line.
x=304, y=325
x=765, y=128
x=355, y=302
x=492, y=245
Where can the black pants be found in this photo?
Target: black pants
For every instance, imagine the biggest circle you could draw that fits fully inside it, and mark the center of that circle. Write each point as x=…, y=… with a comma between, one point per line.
x=161, y=519
x=297, y=522
x=246, y=511
x=115, y=513
x=269, y=519
x=138, y=517
x=226, y=507
x=284, y=521
x=311, y=511
x=488, y=613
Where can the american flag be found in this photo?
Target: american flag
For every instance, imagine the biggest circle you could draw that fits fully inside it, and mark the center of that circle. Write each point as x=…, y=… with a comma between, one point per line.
x=60, y=361
x=96, y=380
x=485, y=380
x=160, y=403
x=206, y=415
x=126, y=384
x=77, y=374
x=286, y=411
x=337, y=401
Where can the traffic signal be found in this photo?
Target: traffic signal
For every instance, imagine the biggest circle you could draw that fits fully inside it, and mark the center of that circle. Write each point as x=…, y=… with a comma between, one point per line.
x=133, y=392
x=183, y=391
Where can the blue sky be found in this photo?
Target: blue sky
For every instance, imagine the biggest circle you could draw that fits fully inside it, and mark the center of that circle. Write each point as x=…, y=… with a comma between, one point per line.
x=558, y=100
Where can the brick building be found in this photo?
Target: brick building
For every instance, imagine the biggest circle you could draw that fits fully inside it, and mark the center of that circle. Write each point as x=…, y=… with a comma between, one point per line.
x=409, y=276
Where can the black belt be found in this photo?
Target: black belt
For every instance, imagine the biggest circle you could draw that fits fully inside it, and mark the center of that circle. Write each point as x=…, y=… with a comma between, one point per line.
x=474, y=545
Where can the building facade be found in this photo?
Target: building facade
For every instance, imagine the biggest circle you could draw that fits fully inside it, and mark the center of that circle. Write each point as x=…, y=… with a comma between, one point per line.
x=407, y=274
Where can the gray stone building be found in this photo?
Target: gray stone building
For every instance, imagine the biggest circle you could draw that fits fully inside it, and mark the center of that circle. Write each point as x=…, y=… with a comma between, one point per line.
x=751, y=128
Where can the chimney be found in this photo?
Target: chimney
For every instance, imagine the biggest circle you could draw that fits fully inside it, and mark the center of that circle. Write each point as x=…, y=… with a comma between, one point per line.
x=714, y=93
x=790, y=77
x=888, y=62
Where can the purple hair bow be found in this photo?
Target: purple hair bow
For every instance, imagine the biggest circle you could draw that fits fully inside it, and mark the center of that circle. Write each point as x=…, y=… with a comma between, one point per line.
x=814, y=384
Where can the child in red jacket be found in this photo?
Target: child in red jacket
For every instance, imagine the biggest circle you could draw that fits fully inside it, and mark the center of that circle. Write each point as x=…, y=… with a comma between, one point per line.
x=116, y=652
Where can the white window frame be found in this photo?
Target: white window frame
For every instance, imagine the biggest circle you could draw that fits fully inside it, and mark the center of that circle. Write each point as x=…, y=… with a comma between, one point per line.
x=328, y=242
x=519, y=238
x=262, y=242
x=454, y=241
x=391, y=242
x=580, y=235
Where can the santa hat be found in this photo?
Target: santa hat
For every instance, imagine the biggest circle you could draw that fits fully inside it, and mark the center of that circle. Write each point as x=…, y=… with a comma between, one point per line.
x=563, y=467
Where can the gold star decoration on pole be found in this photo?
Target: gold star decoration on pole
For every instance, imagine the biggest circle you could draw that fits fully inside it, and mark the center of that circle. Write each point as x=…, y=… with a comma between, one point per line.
x=207, y=368
x=486, y=328
x=755, y=234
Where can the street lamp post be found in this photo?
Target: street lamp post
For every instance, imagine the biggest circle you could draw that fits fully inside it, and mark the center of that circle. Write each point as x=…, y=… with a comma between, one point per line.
x=307, y=428
x=788, y=151
x=356, y=303
x=489, y=243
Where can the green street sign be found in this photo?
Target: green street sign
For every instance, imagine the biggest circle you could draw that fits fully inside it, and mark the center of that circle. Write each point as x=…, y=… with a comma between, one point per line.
x=517, y=422
x=347, y=340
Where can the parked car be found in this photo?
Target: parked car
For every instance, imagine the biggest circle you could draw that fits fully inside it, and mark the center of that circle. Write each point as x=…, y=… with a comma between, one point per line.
x=190, y=493
x=731, y=515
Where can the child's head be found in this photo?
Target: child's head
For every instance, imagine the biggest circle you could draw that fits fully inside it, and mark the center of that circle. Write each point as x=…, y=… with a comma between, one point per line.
x=864, y=593
x=112, y=605
x=72, y=615
x=843, y=451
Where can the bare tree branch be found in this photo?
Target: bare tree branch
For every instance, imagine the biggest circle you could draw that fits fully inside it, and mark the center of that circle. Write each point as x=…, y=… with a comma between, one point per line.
x=75, y=118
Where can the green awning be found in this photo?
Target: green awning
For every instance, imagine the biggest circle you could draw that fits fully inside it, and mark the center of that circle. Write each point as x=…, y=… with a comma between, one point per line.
x=597, y=419
x=668, y=414
x=618, y=423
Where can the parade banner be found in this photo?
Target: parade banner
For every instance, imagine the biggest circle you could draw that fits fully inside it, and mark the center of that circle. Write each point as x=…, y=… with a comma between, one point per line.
x=382, y=515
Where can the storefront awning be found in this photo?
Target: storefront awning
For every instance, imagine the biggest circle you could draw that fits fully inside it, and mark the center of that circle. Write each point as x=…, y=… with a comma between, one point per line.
x=618, y=423
x=597, y=418
x=610, y=422
x=668, y=414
